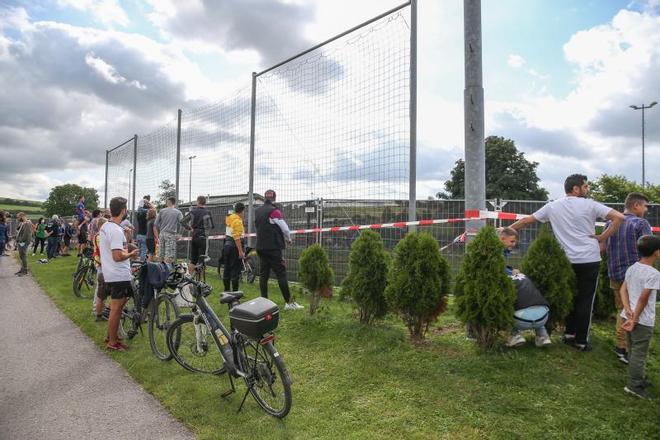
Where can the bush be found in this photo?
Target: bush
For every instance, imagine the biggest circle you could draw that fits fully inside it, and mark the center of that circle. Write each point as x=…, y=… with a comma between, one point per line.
x=418, y=282
x=604, y=307
x=485, y=294
x=367, y=276
x=548, y=267
x=315, y=273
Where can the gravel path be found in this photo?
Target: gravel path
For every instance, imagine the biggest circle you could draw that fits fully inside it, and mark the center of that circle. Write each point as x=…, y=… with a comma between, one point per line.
x=54, y=381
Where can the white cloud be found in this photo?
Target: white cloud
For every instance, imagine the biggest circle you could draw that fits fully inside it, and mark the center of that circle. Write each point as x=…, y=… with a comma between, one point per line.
x=516, y=61
x=107, y=12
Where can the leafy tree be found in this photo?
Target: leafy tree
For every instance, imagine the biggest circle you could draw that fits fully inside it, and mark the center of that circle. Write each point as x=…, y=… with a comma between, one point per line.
x=62, y=199
x=614, y=189
x=485, y=294
x=418, y=282
x=167, y=190
x=367, y=276
x=508, y=174
x=315, y=273
x=546, y=264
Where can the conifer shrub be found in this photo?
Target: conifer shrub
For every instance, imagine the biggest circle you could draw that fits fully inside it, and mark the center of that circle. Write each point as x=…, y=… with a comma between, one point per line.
x=315, y=274
x=546, y=264
x=485, y=294
x=367, y=276
x=418, y=282
x=605, y=306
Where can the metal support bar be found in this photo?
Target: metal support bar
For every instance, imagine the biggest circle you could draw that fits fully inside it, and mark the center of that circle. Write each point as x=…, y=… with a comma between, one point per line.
x=135, y=141
x=105, y=193
x=475, y=150
x=330, y=40
x=178, y=154
x=253, y=116
x=412, y=179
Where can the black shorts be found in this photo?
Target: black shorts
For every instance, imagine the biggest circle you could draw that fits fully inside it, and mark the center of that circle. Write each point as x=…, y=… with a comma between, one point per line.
x=102, y=290
x=197, y=248
x=120, y=289
x=82, y=238
x=67, y=240
x=151, y=246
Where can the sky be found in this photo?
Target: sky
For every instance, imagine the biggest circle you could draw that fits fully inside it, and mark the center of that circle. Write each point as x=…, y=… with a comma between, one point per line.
x=81, y=76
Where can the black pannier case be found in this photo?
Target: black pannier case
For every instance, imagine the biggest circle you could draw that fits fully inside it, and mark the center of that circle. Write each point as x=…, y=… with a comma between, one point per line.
x=255, y=318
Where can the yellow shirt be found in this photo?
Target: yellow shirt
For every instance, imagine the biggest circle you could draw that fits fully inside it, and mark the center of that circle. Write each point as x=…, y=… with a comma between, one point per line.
x=234, y=224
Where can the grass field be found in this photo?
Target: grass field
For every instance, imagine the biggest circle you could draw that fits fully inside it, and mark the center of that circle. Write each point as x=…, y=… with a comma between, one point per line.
x=358, y=382
x=33, y=212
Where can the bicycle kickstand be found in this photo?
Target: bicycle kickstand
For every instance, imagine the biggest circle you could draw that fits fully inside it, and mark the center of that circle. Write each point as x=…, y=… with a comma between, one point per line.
x=243, y=401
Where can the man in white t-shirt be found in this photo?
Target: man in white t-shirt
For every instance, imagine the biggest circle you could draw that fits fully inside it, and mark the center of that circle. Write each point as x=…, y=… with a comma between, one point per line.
x=115, y=260
x=573, y=223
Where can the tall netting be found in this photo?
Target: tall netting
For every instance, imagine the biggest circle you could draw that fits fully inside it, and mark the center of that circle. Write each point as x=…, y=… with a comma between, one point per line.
x=120, y=171
x=156, y=162
x=335, y=124
x=215, y=144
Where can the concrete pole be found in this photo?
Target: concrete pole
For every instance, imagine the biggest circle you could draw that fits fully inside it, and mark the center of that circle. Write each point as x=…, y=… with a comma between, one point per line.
x=475, y=151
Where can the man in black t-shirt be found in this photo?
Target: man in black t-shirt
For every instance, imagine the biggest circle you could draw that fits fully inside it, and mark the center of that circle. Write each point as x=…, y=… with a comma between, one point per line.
x=52, y=234
x=199, y=221
x=141, y=236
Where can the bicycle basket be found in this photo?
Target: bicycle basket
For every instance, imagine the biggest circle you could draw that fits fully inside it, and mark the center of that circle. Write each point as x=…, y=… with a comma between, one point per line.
x=255, y=318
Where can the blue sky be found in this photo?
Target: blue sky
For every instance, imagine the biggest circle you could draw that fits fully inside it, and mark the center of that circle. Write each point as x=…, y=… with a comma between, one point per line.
x=83, y=75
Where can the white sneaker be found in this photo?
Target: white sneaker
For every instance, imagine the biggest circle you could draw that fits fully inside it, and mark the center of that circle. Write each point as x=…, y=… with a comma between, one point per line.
x=516, y=341
x=293, y=306
x=542, y=341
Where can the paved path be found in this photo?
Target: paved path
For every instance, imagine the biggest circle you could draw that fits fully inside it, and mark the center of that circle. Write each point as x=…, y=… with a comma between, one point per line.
x=54, y=379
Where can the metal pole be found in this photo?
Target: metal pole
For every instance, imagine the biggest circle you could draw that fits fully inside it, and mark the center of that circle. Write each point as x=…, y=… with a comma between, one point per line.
x=178, y=154
x=475, y=152
x=643, y=164
x=253, y=115
x=135, y=141
x=105, y=196
x=412, y=180
x=190, y=181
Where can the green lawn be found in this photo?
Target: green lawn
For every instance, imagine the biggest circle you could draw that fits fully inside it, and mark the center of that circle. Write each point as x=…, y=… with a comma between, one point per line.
x=33, y=212
x=353, y=381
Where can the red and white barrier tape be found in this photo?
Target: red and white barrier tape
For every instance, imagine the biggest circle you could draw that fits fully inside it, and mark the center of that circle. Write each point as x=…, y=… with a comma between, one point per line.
x=472, y=214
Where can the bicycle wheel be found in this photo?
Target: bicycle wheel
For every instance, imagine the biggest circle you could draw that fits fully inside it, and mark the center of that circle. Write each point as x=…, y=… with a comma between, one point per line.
x=267, y=377
x=129, y=324
x=84, y=282
x=193, y=346
x=251, y=272
x=164, y=312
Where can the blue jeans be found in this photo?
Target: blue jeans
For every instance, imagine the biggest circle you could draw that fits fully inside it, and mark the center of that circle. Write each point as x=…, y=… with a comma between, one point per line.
x=142, y=245
x=52, y=247
x=531, y=318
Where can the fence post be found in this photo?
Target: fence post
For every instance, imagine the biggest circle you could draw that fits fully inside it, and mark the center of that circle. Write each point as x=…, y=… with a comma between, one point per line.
x=105, y=193
x=253, y=115
x=178, y=154
x=135, y=140
x=412, y=180
x=475, y=153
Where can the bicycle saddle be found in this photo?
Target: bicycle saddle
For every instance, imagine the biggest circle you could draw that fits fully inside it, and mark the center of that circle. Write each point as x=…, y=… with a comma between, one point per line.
x=230, y=297
x=206, y=258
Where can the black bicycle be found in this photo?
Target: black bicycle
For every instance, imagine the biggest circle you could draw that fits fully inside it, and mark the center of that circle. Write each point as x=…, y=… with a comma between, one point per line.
x=249, y=272
x=84, y=278
x=130, y=323
x=246, y=351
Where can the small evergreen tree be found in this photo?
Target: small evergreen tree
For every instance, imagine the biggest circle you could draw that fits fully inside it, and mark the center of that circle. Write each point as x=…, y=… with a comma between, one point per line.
x=604, y=306
x=418, y=282
x=315, y=273
x=367, y=276
x=485, y=294
x=546, y=264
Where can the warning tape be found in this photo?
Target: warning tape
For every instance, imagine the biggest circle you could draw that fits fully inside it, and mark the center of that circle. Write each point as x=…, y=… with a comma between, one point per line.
x=470, y=214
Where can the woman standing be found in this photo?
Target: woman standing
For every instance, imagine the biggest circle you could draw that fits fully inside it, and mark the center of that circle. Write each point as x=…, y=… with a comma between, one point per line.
x=39, y=236
x=23, y=239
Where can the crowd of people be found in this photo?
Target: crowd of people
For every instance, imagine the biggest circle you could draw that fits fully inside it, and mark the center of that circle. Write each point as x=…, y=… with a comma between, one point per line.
x=627, y=238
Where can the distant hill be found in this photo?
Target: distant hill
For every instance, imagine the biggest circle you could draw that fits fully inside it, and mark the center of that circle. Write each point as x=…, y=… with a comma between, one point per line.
x=32, y=208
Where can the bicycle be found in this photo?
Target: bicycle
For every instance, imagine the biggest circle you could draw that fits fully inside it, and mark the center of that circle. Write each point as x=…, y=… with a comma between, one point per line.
x=131, y=315
x=249, y=272
x=84, y=278
x=163, y=311
x=246, y=350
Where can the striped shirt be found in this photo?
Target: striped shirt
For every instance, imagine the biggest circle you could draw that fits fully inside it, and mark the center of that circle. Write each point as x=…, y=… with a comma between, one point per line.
x=622, y=246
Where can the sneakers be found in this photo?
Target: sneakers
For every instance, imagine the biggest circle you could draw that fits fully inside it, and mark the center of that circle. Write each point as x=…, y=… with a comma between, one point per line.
x=621, y=354
x=515, y=340
x=570, y=341
x=119, y=346
x=641, y=393
x=293, y=306
x=542, y=341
